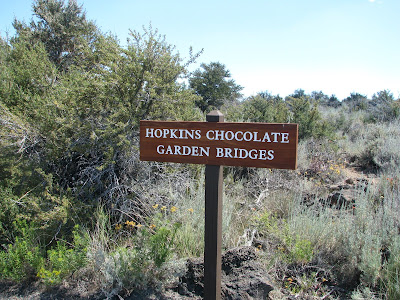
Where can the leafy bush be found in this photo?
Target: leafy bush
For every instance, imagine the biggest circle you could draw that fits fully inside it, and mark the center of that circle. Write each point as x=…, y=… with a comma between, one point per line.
x=265, y=108
x=300, y=109
x=137, y=260
x=23, y=258
x=63, y=260
x=8, y=214
x=292, y=248
x=305, y=113
x=161, y=244
x=302, y=250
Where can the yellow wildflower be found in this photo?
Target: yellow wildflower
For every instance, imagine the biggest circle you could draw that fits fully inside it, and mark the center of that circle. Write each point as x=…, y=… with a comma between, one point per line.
x=130, y=223
x=152, y=226
x=139, y=225
x=174, y=209
x=118, y=227
x=155, y=206
x=163, y=208
x=190, y=210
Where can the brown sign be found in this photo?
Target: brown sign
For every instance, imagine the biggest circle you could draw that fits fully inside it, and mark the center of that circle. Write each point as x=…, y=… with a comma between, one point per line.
x=261, y=145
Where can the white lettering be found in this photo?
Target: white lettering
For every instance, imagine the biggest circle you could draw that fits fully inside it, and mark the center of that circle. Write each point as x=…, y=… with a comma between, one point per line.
x=160, y=149
x=256, y=139
x=169, y=150
x=219, y=135
x=285, y=137
x=173, y=135
x=275, y=134
x=208, y=135
x=262, y=154
x=181, y=134
x=228, y=153
x=236, y=136
x=220, y=151
x=229, y=135
x=243, y=153
x=270, y=155
x=183, y=150
x=266, y=138
x=236, y=153
x=165, y=133
x=204, y=151
x=149, y=132
x=186, y=150
x=198, y=134
x=190, y=134
x=158, y=133
x=195, y=151
x=177, y=150
x=251, y=155
x=240, y=153
x=249, y=136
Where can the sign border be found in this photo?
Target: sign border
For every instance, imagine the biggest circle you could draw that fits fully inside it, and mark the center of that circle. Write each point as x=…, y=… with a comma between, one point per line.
x=287, y=152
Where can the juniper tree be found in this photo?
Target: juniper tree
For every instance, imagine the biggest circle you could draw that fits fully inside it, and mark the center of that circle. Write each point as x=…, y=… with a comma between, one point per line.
x=214, y=84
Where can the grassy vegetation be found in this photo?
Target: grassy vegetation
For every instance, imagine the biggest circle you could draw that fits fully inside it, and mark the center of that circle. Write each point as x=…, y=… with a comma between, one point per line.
x=309, y=246
x=77, y=203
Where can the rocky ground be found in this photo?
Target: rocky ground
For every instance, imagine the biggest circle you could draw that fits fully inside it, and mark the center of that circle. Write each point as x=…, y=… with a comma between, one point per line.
x=243, y=274
x=243, y=277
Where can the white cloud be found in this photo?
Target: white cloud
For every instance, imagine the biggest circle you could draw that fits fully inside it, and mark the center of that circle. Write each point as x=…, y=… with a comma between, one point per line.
x=375, y=1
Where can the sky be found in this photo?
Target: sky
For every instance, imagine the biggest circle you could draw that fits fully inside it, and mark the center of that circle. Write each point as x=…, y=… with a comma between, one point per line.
x=338, y=47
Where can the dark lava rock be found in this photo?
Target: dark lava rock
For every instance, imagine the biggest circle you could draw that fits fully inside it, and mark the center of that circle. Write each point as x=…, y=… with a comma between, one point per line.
x=339, y=200
x=243, y=277
x=192, y=283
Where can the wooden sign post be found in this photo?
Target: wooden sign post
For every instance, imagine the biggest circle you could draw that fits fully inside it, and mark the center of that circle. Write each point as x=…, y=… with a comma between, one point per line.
x=213, y=224
x=215, y=144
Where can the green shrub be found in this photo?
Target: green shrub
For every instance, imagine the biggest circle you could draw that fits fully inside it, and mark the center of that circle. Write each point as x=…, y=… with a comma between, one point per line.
x=128, y=268
x=293, y=248
x=265, y=108
x=305, y=112
x=23, y=258
x=132, y=255
x=161, y=243
x=8, y=213
x=297, y=109
x=302, y=251
x=64, y=260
